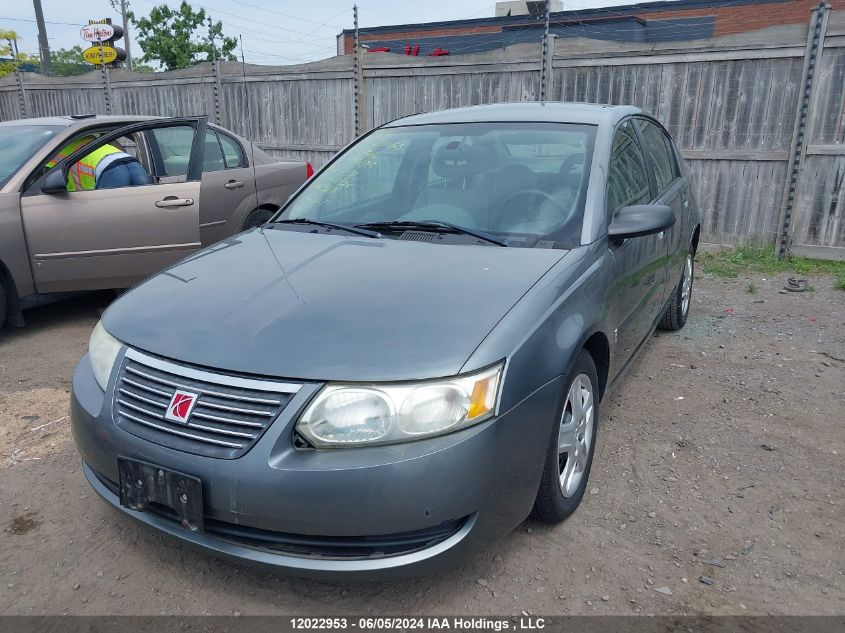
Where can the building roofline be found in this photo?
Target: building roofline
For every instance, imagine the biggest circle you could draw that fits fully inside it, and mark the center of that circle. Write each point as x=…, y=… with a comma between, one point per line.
x=575, y=15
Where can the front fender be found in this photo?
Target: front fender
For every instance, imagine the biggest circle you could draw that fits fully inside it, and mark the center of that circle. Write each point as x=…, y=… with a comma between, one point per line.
x=541, y=335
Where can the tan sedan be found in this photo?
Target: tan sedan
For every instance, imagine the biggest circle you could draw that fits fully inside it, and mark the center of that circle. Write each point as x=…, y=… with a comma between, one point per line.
x=195, y=184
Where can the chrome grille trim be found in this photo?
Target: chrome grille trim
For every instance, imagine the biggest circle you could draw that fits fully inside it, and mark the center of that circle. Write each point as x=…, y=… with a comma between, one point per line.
x=141, y=398
x=217, y=418
x=145, y=387
x=202, y=427
x=135, y=407
x=205, y=391
x=218, y=425
x=221, y=407
x=188, y=435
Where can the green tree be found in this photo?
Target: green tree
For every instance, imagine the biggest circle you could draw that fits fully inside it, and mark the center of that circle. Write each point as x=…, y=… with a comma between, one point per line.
x=65, y=62
x=7, y=66
x=178, y=38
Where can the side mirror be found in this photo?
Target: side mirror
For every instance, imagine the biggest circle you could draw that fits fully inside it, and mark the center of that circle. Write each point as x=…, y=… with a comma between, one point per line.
x=55, y=182
x=640, y=219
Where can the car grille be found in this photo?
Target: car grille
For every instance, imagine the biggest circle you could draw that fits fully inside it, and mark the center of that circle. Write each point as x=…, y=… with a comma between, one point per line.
x=230, y=413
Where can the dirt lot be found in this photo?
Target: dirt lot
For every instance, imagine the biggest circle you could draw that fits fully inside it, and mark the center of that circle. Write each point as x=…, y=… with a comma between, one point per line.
x=720, y=461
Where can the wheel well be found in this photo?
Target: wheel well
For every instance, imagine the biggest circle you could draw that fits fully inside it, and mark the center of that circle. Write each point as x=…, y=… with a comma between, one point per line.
x=8, y=287
x=695, y=235
x=267, y=206
x=599, y=348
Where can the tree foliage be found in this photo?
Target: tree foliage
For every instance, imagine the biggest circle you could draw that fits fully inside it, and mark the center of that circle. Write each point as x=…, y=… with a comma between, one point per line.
x=178, y=38
x=7, y=66
x=65, y=62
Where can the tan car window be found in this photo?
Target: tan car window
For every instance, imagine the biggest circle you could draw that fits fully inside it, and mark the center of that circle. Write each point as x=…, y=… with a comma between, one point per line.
x=212, y=158
x=174, y=145
x=232, y=152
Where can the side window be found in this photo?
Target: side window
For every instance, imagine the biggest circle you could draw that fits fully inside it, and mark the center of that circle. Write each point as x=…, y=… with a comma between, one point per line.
x=172, y=146
x=627, y=182
x=674, y=156
x=233, y=154
x=212, y=158
x=655, y=142
x=112, y=165
x=221, y=152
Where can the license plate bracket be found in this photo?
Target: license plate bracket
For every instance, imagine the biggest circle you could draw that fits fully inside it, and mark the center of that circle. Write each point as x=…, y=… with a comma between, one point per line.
x=149, y=488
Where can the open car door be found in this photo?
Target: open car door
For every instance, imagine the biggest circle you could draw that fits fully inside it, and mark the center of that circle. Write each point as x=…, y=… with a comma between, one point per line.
x=113, y=237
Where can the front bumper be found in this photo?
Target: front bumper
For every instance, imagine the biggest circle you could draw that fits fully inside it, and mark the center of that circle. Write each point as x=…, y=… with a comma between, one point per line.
x=482, y=480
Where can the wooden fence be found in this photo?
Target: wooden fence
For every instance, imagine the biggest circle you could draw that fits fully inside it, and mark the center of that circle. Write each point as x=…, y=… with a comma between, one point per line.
x=734, y=104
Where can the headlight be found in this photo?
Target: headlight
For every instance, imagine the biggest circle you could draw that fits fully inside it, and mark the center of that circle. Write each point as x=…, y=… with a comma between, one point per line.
x=352, y=415
x=102, y=351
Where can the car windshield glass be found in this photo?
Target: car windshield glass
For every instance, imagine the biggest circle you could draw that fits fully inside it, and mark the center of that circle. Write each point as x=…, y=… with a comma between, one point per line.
x=18, y=143
x=524, y=183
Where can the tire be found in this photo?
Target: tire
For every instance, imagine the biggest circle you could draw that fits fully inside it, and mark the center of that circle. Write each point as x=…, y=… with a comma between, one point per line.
x=566, y=472
x=256, y=218
x=677, y=311
x=4, y=305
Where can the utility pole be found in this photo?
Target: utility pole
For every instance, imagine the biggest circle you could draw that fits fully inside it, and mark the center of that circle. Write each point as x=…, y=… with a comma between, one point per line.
x=43, y=45
x=544, y=54
x=123, y=5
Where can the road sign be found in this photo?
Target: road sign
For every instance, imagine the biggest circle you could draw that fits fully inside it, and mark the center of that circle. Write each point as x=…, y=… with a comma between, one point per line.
x=97, y=32
x=92, y=55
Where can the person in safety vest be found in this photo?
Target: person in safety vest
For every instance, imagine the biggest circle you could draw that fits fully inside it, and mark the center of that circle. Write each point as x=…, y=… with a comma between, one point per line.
x=107, y=167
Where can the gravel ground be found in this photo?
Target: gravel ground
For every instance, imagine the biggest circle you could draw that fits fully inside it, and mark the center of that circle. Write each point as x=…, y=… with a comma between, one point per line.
x=717, y=488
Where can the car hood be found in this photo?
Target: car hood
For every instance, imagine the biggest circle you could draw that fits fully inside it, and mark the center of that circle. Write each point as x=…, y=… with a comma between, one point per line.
x=327, y=307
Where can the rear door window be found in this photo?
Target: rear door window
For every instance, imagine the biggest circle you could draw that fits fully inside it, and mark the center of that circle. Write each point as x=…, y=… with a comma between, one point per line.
x=233, y=154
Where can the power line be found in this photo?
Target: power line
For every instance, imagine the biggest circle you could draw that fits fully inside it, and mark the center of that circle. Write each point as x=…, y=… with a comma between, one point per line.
x=45, y=21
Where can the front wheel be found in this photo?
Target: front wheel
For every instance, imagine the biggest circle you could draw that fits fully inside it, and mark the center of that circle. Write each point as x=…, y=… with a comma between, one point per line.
x=256, y=218
x=677, y=311
x=570, y=454
x=3, y=305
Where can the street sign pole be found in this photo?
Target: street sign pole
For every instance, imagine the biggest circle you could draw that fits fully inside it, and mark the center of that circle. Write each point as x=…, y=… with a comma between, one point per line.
x=105, y=74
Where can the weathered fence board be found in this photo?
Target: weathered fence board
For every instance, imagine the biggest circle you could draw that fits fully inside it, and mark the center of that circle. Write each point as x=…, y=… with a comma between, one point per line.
x=730, y=103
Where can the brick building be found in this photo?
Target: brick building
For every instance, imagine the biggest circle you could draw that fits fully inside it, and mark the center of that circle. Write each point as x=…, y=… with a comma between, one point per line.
x=678, y=20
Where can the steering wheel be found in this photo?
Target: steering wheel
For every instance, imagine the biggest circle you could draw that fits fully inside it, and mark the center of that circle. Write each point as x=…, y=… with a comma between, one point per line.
x=534, y=192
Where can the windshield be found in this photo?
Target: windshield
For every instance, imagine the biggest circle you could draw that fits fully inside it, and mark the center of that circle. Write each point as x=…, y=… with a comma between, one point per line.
x=524, y=183
x=18, y=143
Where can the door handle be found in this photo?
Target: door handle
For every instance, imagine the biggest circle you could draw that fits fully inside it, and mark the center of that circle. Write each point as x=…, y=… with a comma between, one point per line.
x=234, y=184
x=173, y=201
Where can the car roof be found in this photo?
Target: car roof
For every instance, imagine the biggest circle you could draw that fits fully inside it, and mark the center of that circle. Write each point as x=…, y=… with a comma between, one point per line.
x=68, y=121
x=526, y=111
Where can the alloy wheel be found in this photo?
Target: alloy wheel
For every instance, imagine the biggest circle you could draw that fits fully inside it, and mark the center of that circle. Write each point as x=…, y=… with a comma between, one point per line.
x=686, y=285
x=576, y=434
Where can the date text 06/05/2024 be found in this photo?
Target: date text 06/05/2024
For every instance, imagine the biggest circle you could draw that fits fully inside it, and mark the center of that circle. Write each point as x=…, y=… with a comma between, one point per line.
x=522, y=623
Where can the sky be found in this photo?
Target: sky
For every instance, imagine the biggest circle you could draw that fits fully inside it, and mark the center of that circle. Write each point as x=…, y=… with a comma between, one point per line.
x=274, y=31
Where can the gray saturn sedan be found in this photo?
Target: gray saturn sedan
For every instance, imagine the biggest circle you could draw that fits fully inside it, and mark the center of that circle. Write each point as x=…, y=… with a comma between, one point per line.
x=409, y=357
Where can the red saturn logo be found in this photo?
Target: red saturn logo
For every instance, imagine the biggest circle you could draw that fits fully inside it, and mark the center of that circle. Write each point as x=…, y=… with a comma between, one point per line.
x=180, y=407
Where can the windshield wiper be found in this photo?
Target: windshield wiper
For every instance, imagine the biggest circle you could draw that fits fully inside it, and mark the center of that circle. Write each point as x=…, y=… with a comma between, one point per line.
x=331, y=225
x=433, y=224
